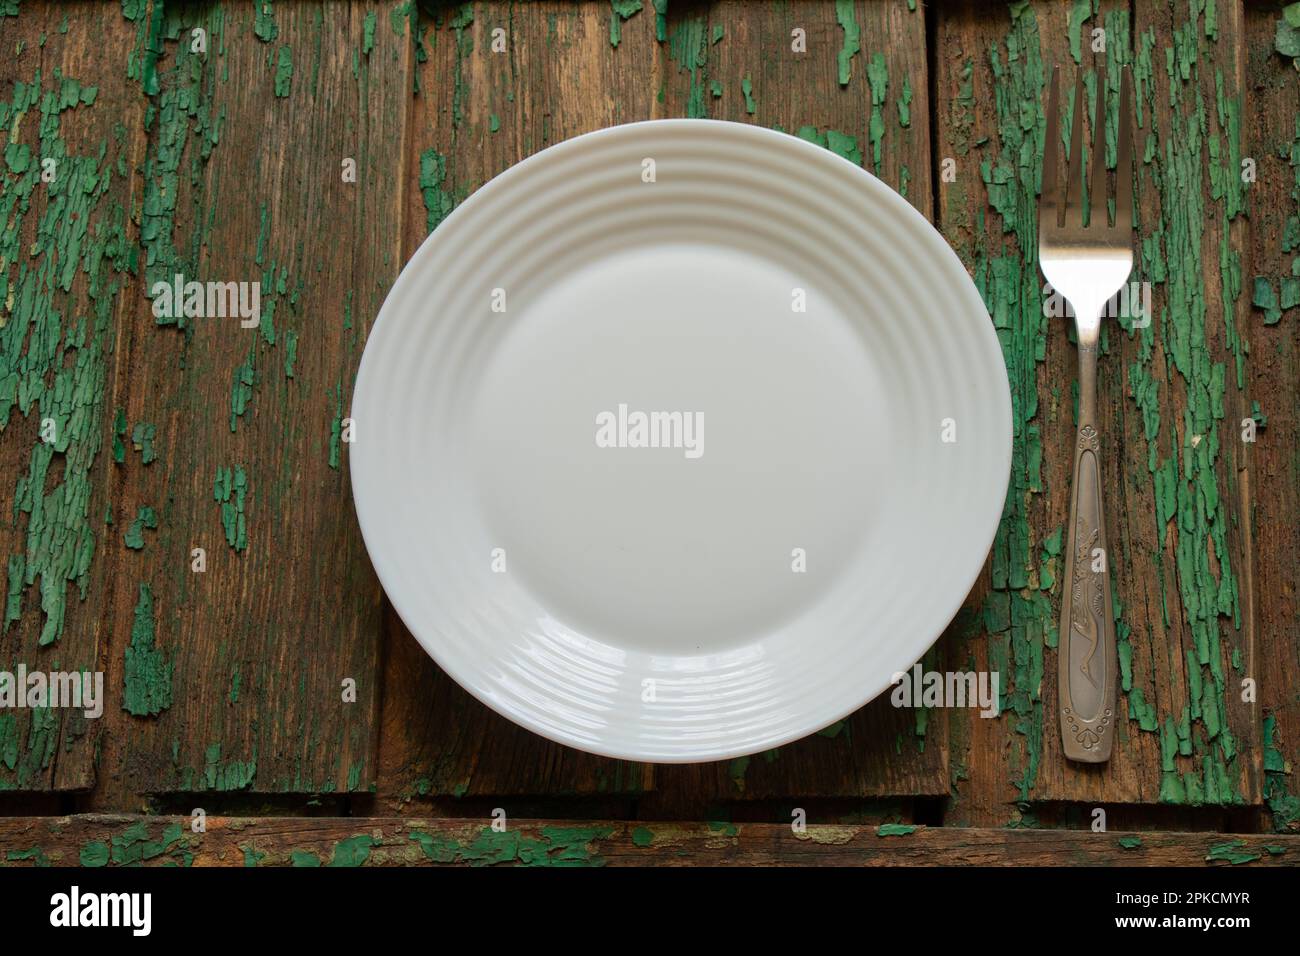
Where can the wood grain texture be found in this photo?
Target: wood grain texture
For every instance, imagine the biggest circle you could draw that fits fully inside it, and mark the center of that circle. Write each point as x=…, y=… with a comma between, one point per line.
x=92, y=840
x=1172, y=474
x=65, y=283
x=1272, y=139
x=234, y=678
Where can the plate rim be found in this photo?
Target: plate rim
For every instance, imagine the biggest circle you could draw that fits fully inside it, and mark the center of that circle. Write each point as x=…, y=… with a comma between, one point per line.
x=927, y=233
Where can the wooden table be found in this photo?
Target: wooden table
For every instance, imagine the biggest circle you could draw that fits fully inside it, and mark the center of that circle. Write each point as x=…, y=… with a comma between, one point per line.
x=276, y=689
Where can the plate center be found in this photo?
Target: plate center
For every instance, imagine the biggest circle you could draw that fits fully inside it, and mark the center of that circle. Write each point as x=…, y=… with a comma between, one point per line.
x=674, y=458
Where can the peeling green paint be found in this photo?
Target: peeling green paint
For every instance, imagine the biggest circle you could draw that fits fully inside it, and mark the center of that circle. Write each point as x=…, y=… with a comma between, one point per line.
x=661, y=20
x=747, y=90
x=142, y=439
x=283, y=71
x=264, y=27
x=134, y=536
x=848, y=21
x=1231, y=852
x=438, y=202
x=147, y=674
x=562, y=846
x=230, y=775
x=229, y=489
x=895, y=829
x=134, y=846
x=841, y=144
x=1283, y=803
x=878, y=77
x=620, y=10
x=353, y=851
x=688, y=45
x=53, y=365
x=1015, y=611
x=119, y=436
x=368, y=32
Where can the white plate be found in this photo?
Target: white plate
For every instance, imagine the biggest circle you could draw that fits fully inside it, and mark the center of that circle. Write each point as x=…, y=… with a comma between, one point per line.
x=649, y=607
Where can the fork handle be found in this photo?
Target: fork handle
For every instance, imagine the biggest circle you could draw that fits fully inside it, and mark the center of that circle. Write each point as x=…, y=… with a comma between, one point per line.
x=1087, y=658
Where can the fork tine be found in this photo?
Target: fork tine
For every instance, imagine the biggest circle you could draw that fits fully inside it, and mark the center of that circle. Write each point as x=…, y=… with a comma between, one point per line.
x=1074, y=172
x=1048, y=200
x=1124, y=156
x=1096, y=201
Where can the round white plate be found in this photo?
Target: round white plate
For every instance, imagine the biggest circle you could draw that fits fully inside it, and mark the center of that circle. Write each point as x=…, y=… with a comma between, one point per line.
x=803, y=531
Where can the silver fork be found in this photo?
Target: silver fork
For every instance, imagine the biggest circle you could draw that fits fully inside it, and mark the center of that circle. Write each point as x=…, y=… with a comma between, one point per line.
x=1087, y=265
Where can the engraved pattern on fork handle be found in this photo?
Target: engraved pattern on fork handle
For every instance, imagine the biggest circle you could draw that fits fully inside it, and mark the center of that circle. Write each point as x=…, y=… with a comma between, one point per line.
x=1086, y=646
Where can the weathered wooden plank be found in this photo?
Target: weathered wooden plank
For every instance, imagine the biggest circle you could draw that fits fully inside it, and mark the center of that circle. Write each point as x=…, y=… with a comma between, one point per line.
x=235, y=677
x=476, y=113
x=728, y=61
x=72, y=133
x=103, y=840
x=1171, y=472
x=1271, y=278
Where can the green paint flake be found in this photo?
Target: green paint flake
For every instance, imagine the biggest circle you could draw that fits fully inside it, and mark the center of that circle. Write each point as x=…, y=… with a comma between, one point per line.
x=142, y=439
x=134, y=536
x=1283, y=803
x=688, y=46
x=1286, y=39
x=283, y=71
x=264, y=21
x=438, y=202
x=241, y=390
x=119, y=436
x=230, y=775
x=35, y=854
x=1080, y=12
x=841, y=144
x=905, y=104
x=147, y=680
x=304, y=858
x=895, y=829
x=620, y=10
x=878, y=77
x=1130, y=842
x=252, y=855
x=290, y=352
x=368, y=32
x=848, y=22
x=1265, y=297
x=94, y=854
x=353, y=851
x=336, y=429
x=642, y=837
x=1231, y=852
x=559, y=846
x=747, y=89
x=661, y=20
x=229, y=489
